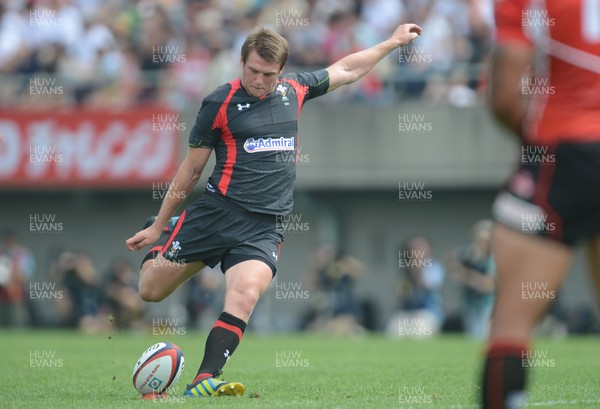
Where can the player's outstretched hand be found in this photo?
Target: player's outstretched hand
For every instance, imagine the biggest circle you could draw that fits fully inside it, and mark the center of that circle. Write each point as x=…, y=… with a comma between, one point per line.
x=406, y=33
x=143, y=238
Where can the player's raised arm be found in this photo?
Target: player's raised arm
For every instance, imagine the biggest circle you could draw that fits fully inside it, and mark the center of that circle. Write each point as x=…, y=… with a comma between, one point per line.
x=182, y=184
x=354, y=66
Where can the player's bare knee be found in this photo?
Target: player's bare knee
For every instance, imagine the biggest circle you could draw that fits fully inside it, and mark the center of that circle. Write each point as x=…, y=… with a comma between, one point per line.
x=244, y=299
x=149, y=294
x=248, y=299
x=149, y=289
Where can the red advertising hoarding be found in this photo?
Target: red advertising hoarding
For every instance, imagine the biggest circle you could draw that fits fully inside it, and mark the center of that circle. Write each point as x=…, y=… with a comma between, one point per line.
x=97, y=149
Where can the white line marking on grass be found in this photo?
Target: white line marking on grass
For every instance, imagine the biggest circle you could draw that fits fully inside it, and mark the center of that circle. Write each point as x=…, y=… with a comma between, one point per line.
x=565, y=402
x=547, y=403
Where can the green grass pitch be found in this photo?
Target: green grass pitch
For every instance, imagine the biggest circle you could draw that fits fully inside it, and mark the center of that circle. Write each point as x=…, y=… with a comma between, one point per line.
x=63, y=369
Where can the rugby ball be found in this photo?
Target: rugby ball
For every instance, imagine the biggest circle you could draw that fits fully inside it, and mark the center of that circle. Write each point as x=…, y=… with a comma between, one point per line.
x=159, y=368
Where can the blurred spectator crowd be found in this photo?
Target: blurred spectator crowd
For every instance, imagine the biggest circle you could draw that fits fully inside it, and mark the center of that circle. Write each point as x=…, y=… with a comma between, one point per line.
x=120, y=53
x=71, y=292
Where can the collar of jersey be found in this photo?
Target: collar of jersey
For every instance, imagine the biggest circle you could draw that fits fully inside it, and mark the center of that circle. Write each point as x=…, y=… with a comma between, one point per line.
x=260, y=98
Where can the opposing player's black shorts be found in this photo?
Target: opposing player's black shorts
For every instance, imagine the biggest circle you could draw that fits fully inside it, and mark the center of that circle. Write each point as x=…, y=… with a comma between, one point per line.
x=213, y=230
x=554, y=193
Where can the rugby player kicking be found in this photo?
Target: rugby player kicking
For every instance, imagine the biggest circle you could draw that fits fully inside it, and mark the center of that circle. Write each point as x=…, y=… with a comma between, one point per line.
x=250, y=123
x=552, y=201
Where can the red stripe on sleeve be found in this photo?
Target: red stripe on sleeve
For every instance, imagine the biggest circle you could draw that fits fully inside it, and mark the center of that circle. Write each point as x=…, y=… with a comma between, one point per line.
x=301, y=91
x=228, y=139
x=229, y=327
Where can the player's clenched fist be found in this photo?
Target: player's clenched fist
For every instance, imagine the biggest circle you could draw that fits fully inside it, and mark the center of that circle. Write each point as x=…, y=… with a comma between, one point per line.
x=406, y=33
x=143, y=238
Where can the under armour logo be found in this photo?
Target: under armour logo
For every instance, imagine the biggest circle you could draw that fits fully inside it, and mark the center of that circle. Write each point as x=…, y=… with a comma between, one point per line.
x=275, y=256
x=240, y=106
x=226, y=355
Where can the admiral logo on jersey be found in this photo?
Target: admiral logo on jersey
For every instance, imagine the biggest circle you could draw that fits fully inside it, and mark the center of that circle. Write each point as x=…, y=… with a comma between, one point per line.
x=269, y=144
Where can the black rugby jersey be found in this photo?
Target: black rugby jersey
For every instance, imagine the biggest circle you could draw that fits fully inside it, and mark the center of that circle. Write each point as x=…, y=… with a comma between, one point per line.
x=256, y=140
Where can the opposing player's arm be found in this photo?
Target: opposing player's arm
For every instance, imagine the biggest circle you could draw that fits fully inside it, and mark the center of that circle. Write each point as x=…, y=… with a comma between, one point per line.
x=354, y=66
x=510, y=62
x=181, y=186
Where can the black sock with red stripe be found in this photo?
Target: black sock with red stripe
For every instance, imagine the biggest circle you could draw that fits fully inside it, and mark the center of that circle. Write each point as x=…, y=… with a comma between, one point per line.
x=223, y=339
x=504, y=376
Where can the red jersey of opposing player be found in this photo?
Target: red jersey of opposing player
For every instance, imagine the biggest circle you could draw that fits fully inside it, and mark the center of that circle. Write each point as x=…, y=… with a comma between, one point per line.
x=565, y=90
